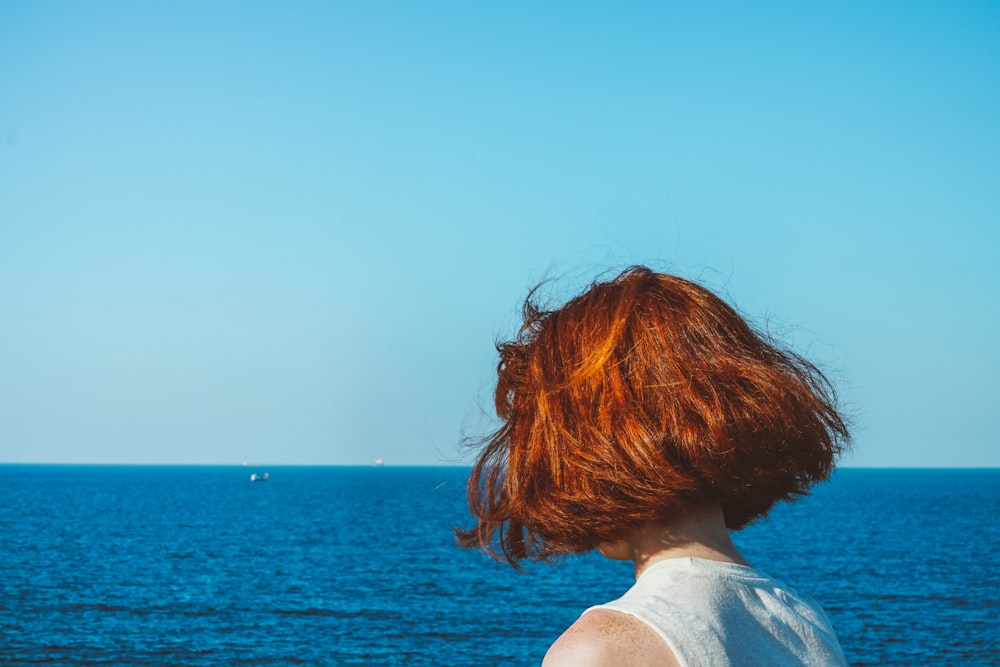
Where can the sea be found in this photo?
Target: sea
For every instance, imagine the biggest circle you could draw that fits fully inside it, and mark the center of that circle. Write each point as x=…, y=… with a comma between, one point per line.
x=197, y=565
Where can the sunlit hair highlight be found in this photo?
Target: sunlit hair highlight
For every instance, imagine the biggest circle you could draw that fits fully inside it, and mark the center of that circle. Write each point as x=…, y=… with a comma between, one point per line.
x=640, y=400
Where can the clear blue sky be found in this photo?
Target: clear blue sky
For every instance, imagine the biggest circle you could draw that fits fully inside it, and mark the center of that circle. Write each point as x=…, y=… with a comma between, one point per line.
x=291, y=232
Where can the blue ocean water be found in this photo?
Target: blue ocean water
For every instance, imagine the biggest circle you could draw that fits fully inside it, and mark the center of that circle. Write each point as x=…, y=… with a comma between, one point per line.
x=132, y=565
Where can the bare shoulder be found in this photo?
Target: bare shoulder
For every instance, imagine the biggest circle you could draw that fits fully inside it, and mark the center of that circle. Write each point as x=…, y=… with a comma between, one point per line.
x=606, y=638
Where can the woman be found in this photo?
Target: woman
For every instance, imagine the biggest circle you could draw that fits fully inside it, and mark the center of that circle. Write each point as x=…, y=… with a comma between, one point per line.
x=646, y=419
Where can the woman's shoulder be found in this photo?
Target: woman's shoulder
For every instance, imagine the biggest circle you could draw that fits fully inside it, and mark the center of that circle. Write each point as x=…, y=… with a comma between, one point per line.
x=608, y=638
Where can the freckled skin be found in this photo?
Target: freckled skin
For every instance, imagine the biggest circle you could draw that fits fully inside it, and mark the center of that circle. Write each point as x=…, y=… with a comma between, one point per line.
x=605, y=638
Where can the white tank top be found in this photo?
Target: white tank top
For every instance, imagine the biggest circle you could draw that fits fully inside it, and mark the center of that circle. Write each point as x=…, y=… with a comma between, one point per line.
x=715, y=614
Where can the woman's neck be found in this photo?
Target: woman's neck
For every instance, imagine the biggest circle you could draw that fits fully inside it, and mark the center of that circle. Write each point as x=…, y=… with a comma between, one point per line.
x=700, y=534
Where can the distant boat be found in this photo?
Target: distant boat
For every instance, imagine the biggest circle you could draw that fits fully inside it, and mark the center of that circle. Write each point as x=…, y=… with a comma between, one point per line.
x=378, y=462
x=258, y=478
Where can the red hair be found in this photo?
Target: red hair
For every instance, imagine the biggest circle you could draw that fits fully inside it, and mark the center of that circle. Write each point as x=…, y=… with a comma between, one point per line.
x=643, y=398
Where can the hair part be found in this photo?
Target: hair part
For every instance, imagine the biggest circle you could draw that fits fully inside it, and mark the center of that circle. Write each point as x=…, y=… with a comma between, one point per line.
x=640, y=400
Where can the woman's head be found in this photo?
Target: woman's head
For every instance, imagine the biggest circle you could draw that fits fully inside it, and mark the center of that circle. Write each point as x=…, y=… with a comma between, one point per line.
x=642, y=399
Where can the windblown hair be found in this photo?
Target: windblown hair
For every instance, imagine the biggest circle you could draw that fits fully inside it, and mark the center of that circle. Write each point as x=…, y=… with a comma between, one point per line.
x=640, y=400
